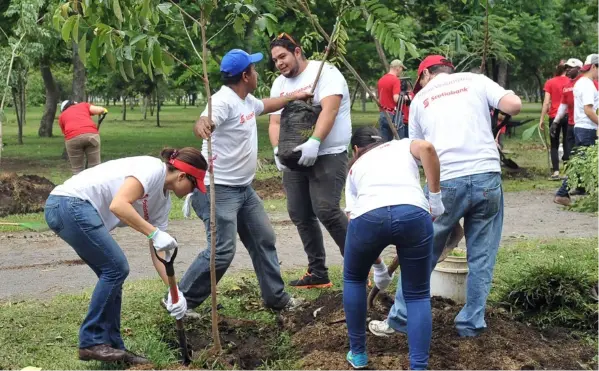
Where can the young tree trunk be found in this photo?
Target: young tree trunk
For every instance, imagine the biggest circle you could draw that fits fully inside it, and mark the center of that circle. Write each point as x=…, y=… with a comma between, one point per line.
x=52, y=97
x=152, y=105
x=363, y=98
x=194, y=96
x=17, y=104
x=107, y=100
x=157, y=108
x=353, y=98
x=145, y=106
x=78, y=76
x=124, y=108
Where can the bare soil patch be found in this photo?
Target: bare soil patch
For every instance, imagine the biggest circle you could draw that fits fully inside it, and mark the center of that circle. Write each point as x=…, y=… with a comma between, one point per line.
x=22, y=194
x=270, y=188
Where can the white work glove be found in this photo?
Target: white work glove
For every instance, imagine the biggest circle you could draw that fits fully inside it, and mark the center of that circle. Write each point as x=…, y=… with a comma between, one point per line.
x=187, y=206
x=382, y=279
x=163, y=241
x=280, y=166
x=309, y=152
x=436, y=202
x=178, y=309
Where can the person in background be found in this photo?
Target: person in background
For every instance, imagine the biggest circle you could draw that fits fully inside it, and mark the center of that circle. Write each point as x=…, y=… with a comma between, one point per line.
x=566, y=108
x=553, y=95
x=314, y=193
x=387, y=206
x=82, y=138
x=586, y=102
x=389, y=88
x=470, y=178
x=239, y=209
x=135, y=192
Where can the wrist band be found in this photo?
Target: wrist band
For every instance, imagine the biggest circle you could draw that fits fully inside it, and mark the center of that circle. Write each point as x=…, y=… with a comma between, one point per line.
x=315, y=138
x=151, y=235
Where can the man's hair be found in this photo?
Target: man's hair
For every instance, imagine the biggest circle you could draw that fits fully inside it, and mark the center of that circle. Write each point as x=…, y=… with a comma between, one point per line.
x=233, y=80
x=287, y=42
x=560, y=69
x=440, y=68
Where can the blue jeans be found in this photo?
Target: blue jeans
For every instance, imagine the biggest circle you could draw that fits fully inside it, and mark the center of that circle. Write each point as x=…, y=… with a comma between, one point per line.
x=410, y=229
x=78, y=223
x=479, y=200
x=385, y=130
x=238, y=210
x=582, y=138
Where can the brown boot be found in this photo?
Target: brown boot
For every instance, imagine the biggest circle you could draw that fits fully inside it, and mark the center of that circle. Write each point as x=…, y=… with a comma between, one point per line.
x=134, y=359
x=102, y=352
x=565, y=201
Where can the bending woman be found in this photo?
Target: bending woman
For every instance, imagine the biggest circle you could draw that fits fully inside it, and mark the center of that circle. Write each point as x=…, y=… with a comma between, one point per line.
x=132, y=191
x=387, y=206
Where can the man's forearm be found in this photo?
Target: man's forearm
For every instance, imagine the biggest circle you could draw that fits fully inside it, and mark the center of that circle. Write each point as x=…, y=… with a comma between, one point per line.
x=430, y=164
x=591, y=114
x=275, y=104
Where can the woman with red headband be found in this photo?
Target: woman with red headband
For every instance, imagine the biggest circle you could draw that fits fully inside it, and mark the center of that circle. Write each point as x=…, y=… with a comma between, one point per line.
x=133, y=191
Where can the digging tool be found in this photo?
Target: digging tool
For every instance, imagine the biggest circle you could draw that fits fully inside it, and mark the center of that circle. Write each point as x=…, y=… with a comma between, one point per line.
x=100, y=119
x=172, y=283
x=37, y=227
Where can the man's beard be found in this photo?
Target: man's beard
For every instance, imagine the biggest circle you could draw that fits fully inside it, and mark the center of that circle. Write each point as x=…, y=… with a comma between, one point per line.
x=293, y=72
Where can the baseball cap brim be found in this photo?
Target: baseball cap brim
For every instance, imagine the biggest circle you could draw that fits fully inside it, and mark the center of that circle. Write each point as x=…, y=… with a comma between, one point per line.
x=586, y=67
x=256, y=57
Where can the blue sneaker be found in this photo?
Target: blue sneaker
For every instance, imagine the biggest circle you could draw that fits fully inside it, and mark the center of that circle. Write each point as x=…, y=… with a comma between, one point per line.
x=357, y=360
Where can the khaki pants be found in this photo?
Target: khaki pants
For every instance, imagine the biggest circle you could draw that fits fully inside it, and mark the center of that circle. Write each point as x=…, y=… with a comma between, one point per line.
x=80, y=147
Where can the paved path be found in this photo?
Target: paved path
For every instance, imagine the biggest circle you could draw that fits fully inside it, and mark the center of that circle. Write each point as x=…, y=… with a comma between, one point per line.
x=40, y=265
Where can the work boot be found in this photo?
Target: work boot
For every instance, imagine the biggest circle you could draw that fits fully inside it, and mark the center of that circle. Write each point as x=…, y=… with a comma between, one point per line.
x=134, y=359
x=561, y=200
x=311, y=281
x=102, y=352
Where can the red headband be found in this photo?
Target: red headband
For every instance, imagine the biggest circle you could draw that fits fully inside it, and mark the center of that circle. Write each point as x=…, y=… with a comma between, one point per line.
x=190, y=170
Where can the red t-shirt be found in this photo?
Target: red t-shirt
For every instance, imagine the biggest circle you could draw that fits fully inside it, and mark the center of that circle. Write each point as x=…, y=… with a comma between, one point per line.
x=555, y=86
x=388, y=85
x=568, y=97
x=406, y=109
x=77, y=120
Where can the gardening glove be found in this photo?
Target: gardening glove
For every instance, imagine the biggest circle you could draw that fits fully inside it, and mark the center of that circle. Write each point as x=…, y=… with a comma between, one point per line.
x=280, y=166
x=382, y=279
x=178, y=309
x=436, y=202
x=309, y=152
x=163, y=241
x=187, y=206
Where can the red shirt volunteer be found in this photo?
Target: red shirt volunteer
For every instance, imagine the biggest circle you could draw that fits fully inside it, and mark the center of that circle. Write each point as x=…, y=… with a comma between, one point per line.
x=76, y=121
x=388, y=86
x=555, y=87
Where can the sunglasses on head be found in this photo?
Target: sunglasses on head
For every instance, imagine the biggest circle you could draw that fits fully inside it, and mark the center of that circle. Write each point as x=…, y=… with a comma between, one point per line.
x=285, y=36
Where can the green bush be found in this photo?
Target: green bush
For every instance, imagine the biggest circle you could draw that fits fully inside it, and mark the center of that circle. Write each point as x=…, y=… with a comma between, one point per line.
x=582, y=172
x=553, y=295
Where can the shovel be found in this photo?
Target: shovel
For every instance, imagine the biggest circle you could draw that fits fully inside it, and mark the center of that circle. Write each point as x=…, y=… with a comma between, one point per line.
x=172, y=283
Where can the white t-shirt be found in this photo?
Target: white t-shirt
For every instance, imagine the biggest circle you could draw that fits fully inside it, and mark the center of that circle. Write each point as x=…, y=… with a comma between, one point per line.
x=331, y=82
x=452, y=112
x=585, y=93
x=372, y=183
x=235, y=138
x=99, y=184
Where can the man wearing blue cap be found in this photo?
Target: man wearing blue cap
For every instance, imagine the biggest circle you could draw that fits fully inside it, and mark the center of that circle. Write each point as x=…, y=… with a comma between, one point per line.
x=239, y=210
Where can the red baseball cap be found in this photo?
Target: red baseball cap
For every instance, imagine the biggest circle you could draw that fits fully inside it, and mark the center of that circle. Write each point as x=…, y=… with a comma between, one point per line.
x=431, y=60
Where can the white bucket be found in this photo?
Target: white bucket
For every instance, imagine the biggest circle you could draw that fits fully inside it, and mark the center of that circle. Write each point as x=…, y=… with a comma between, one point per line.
x=448, y=279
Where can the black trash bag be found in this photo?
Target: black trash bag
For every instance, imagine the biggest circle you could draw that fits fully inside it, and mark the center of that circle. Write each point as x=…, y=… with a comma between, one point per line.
x=297, y=125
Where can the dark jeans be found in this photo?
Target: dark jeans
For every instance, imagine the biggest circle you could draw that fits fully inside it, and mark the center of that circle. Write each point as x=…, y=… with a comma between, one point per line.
x=570, y=142
x=582, y=138
x=410, y=229
x=554, y=132
x=78, y=223
x=385, y=130
x=238, y=210
x=314, y=194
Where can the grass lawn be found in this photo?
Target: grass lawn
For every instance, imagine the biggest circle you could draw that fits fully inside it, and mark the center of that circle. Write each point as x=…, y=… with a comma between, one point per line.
x=42, y=156
x=44, y=334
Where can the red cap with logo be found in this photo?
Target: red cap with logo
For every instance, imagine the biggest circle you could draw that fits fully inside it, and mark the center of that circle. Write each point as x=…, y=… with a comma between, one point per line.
x=431, y=60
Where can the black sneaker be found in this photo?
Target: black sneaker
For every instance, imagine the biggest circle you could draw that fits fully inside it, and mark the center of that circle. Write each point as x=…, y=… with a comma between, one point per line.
x=311, y=281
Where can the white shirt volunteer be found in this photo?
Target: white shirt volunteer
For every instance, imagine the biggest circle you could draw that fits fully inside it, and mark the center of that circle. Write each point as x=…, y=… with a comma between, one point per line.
x=372, y=183
x=452, y=112
x=585, y=93
x=99, y=185
x=235, y=138
x=331, y=82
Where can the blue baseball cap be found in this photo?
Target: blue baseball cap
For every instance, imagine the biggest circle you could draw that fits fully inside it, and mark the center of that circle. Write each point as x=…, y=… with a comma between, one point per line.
x=237, y=60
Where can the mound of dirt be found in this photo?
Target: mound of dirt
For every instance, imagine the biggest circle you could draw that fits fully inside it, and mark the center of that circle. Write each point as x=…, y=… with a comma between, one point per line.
x=269, y=189
x=507, y=344
x=21, y=194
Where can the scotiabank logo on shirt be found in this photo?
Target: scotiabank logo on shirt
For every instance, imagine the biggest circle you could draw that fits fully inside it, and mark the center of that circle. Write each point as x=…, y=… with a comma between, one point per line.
x=144, y=206
x=296, y=91
x=247, y=117
x=435, y=97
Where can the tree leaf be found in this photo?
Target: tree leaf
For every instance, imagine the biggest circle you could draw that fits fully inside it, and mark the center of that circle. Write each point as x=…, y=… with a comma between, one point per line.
x=137, y=38
x=67, y=28
x=93, y=53
x=110, y=57
x=127, y=53
x=129, y=68
x=194, y=28
x=369, y=22
x=165, y=8
x=116, y=6
x=528, y=133
x=157, y=56
x=122, y=71
x=82, y=49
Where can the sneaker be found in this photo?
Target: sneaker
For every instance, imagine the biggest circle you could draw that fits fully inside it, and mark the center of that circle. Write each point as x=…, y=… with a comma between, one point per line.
x=311, y=281
x=357, y=360
x=555, y=176
x=564, y=201
x=381, y=328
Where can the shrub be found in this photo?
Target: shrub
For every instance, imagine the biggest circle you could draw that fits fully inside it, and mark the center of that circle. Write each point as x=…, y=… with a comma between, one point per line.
x=554, y=295
x=582, y=172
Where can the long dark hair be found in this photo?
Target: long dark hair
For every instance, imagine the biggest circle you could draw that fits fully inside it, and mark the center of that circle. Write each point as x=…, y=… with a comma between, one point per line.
x=189, y=155
x=365, y=138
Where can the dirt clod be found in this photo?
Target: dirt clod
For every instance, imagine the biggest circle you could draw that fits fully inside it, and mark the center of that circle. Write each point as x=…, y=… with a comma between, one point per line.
x=21, y=194
x=268, y=189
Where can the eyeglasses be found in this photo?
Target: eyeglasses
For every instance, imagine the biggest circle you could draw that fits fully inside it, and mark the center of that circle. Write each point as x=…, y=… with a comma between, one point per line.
x=283, y=36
